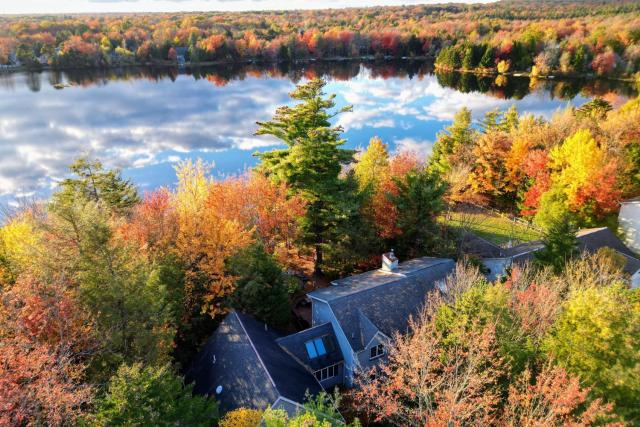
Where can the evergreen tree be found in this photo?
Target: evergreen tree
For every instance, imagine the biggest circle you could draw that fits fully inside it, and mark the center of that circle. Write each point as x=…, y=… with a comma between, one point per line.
x=93, y=183
x=491, y=120
x=261, y=288
x=487, y=58
x=560, y=245
x=452, y=142
x=311, y=163
x=467, y=58
x=418, y=202
x=510, y=119
x=152, y=396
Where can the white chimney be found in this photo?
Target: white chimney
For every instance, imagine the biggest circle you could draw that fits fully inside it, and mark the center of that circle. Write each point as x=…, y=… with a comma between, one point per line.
x=389, y=261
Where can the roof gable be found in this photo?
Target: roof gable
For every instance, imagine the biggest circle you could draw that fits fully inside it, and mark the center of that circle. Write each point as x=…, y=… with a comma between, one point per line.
x=229, y=360
x=291, y=379
x=382, y=301
x=243, y=357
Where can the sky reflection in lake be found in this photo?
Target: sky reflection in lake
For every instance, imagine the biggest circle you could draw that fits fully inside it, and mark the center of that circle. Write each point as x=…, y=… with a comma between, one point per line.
x=144, y=122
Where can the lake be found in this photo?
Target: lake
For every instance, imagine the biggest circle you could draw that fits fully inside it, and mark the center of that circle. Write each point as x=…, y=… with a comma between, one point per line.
x=144, y=121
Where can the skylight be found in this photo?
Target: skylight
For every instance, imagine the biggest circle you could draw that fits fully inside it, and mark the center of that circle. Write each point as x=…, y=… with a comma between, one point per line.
x=318, y=347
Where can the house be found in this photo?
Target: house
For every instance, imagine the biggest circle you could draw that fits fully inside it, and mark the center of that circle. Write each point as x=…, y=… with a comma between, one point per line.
x=242, y=365
x=181, y=55
x=366, y=310
x=629, y=220
x=247, y=364
x=589, y=240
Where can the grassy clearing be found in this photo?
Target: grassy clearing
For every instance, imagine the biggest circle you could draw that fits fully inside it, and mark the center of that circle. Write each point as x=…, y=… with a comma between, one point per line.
x=492, y=227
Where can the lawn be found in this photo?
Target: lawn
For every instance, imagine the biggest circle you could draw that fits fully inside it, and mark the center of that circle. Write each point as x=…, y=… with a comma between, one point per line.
x=492, y=227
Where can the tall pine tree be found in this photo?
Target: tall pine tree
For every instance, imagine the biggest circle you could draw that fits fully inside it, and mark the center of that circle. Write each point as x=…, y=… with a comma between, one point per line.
x=311, y=163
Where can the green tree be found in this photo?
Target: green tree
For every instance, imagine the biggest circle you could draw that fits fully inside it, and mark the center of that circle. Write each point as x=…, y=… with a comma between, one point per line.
x=597, y=337
x=418, y=202
x=152, y=396
x=510, y=119
x=485, y=304
x=261, y=288
x=372, y=165
x=311, y=163
x=467, y=58
x=92, y=182
x=560, y=244
x=487, y=58
x=452, y=142
x=318, y=411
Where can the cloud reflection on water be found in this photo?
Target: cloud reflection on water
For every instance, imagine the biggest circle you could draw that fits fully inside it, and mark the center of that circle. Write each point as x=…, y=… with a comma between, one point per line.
x=143, y=125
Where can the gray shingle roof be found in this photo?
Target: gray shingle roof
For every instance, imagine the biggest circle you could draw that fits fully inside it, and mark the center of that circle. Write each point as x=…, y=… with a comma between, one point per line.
x=592, y=239
x=473, y=244
x=523, y=248
x=386, y=300
x=249, y=365
x=291, y=379
x=295, y=345
x=237, y=368
x=632, y=266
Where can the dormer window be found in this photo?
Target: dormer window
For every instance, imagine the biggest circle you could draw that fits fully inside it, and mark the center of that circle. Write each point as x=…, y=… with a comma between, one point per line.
x=319, y=347
x=376, y=351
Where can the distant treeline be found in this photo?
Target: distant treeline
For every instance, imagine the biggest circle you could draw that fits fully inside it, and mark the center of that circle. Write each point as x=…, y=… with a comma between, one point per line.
x=586, y=37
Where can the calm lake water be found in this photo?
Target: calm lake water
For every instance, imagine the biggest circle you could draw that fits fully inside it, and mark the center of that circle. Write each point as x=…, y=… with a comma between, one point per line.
x=144, y=121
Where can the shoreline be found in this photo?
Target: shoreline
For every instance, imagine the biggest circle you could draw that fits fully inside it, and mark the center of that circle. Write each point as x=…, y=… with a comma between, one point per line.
x=560, y=76
x=264, y=62
x=173, y=64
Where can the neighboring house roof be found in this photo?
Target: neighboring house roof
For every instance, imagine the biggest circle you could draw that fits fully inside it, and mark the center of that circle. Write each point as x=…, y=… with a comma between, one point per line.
x=381, y=300
x=473, y=244
x=250, y=366
x=523, y=249
x=295, y=345
x=592, y=239
x=632, y=266
x=632, y=200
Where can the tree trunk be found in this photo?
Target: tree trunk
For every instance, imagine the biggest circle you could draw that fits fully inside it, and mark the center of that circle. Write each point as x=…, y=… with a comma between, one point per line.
x=318, y=260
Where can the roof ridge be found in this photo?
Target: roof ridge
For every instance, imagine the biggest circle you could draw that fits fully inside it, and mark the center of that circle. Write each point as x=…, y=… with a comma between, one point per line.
x=255, y=350
x=381, y=285
x=299, y=332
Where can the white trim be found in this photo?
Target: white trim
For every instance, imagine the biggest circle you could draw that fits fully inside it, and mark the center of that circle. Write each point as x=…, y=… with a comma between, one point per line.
x=374, y=337
x=298, y=406
x=327, y=367
x=384, y=352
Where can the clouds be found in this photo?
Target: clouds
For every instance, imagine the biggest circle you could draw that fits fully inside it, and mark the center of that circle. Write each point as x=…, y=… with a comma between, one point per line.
x=127, y=125
x=145, y=126
x=420, y=147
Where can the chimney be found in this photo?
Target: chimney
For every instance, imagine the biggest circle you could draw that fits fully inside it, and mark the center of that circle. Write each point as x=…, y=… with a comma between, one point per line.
x=389, y=261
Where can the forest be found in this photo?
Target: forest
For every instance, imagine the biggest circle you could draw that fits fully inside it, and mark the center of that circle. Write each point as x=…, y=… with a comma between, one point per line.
x=106, y=294
x=579, y=38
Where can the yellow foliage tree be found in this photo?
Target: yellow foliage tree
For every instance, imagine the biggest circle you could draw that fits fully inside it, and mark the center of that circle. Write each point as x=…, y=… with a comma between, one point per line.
x=20, y=242
x=504, y=66
x=575, y=161
x=206, y=237
x=242, y=417
x=373, y=165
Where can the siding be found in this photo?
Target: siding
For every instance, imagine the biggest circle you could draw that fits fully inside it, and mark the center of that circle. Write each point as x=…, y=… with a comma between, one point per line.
x=322, y=313
x=629, y=220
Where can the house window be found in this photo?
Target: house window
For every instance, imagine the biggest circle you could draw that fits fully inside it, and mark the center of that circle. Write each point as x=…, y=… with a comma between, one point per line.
x=319, y=347
x=377, y=351
x=326, y=373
